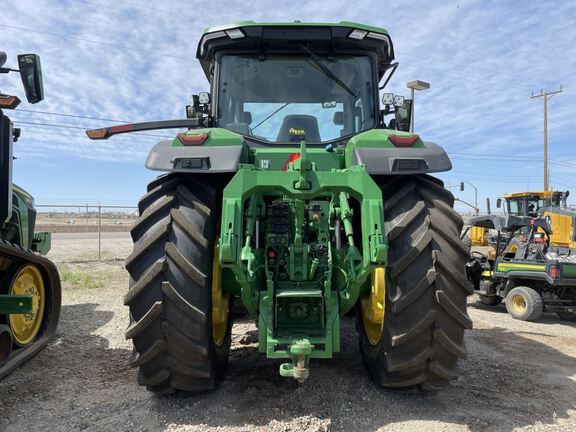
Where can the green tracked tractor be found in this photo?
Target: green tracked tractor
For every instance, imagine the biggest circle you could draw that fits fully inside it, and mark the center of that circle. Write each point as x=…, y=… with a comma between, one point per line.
x=30, y=293
x=293, y=193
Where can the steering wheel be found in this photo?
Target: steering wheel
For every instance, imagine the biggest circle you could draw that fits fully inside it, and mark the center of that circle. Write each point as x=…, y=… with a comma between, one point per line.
x=478, y=255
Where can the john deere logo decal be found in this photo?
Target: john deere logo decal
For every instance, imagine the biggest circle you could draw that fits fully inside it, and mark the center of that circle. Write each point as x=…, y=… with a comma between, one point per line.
x=297, y=131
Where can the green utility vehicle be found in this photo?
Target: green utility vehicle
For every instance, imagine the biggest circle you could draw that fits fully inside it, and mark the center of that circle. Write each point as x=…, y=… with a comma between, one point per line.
x=295, y=194
x=30, y=285
x=533, y=278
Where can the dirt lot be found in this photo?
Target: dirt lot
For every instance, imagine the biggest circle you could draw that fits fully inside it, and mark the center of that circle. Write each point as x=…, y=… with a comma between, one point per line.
x=517, y=376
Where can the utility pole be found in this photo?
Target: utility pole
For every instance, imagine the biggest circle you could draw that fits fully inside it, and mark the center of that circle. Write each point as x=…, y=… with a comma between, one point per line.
x=545, y=96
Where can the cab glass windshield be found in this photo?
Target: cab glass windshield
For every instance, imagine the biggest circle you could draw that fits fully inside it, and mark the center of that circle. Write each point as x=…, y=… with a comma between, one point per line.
x=281, y=99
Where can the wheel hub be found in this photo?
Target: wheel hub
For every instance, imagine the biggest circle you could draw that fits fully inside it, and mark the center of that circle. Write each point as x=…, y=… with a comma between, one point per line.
x=219, y=302
x=373, y=306
x=519, y=303
x=25, y=327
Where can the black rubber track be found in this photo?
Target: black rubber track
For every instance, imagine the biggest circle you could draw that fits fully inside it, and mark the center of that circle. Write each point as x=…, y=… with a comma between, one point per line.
x=13, y=257
x=425, y=312
x=170, y=288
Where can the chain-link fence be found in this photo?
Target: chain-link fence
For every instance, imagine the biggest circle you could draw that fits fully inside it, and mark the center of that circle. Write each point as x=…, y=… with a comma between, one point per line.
x=87, y=232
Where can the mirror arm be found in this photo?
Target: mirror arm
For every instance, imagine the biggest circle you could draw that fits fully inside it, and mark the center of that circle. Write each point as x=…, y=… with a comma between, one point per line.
x=7, y=70
x=392, y=66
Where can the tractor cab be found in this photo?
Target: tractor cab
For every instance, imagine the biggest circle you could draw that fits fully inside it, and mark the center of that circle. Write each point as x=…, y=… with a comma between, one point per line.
x=533, y=203
x=283, y=83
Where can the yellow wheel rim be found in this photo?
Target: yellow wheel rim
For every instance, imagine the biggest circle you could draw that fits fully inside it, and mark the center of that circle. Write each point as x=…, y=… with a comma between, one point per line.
x=519, y=303
x=25, y=327
x=373, y=306
x=219, y=302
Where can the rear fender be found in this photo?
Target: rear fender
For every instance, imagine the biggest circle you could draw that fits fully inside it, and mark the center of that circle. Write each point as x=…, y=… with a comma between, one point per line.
x=202, y=159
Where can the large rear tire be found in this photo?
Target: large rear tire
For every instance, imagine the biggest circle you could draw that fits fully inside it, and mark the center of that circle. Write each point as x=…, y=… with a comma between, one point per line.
x=170, y=295
x=426, y=288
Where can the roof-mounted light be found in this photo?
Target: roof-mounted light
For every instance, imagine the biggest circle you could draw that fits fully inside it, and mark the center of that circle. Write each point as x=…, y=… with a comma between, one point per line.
x=235, y=33
x=378, y=36
x=209, y=37
x=357, y=34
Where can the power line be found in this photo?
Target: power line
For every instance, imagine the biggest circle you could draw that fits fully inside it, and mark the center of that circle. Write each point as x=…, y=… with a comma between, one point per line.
x=121, y=47
x=71, y=115
x=136, y=5
x=82, y=128
x=40, y=132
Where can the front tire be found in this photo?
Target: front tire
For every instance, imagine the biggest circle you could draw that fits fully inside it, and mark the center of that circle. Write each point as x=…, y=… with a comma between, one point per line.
x=170, y=295
x=426, y=288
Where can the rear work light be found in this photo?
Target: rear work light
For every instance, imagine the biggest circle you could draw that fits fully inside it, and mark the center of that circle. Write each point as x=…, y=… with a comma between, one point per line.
x=554, y=271
x=357, y=34
x=404, y=141
x=235, y=33
x=192, y=140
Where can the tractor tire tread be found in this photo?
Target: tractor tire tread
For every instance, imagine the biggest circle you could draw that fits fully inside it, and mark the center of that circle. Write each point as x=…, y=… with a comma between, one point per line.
x=170, y=294
x=427, y=289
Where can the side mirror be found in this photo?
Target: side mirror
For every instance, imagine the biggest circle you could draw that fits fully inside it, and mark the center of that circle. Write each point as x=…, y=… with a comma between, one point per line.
x=461, y=186
x=499, y=202
x=31, y=74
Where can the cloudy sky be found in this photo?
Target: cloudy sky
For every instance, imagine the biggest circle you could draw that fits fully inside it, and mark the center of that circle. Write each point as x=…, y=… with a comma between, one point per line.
x=135, y=61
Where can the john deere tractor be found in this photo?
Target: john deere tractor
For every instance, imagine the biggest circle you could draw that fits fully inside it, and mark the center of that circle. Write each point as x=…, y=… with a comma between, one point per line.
x=30, y=285
x=295, y=194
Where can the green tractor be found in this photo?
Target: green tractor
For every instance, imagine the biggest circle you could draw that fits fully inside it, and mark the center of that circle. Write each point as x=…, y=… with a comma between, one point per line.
x=30, y=293
x=293, y=193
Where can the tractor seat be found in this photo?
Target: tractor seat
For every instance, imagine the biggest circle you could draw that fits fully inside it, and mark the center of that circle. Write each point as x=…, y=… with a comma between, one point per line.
x=296, y=127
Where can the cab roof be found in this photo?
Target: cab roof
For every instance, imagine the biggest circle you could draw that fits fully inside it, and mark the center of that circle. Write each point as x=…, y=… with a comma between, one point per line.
x=250, y=35
x=539, y=195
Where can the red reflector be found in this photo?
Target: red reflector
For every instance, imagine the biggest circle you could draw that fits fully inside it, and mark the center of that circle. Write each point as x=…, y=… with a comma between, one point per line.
x=554, y=271
x=192, y=140
x=404, y=141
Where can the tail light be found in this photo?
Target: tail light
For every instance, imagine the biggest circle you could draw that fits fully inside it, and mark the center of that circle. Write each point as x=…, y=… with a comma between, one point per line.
x=192, y=140
x=404, y=141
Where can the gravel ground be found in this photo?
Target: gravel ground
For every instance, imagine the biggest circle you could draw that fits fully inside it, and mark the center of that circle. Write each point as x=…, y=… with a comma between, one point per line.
x=517, y=376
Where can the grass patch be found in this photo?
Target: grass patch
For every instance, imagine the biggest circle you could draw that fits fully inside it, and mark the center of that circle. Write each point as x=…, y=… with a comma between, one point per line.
x=82, y=279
